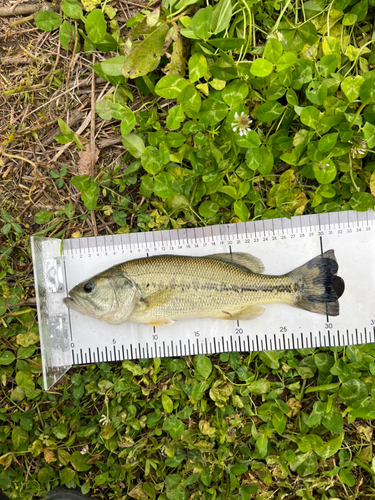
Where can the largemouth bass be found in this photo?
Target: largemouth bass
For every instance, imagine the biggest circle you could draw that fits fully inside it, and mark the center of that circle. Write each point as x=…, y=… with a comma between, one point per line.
x=162, y=289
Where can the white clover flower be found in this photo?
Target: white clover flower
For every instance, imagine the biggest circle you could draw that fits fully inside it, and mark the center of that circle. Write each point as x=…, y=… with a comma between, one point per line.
x=241, y=123
x=359, y=147
x=276, y=34
x=104, y=420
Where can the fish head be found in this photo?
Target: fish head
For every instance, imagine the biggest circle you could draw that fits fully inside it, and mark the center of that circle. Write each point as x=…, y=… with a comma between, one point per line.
x=109, y=296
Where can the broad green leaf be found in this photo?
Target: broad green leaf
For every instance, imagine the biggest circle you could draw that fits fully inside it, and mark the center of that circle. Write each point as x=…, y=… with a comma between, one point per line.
x=276, y=92
x=163, y=185
x=190, y=101
x=330, y=448
x=305, y=464
x=310, y=116
x=235, y=92
x=221, y=16
x=201, y=22
x=43, y=217
x=104, y=109
x=170, y=86
x=345, y=475
x=259, y=159
x=333, y=421
x=208, y=209
x=79, y=461
x=270, y=359
x=307, y=32
x=127, y=122
x=273, y=50
x=327, y=142
x=47, y=20
x=361, y=202
x=269, y=111
x=213, y=111
x=316, y=92
x=27, y=339
x=147, y=186
x=134, y=144
x=261, y=68
x=226, y=43
x=286, y=61
x=331, y=46
x=19, y=438
x=241, y=210
x=113, y=66
x=72, y=9
x=353, y=391
x=174, y=140
x=261, y=447
x=369, y=134
x=167, y=403
x=175, y=117
x=238, y=468
x=139, y=58
x=64, y=34
x=327, y=65
x=349, y=19
x=203, y=365
x=325, y=172
x=66, y=475
x=6, y=357
x=197, y=67
x=260, y=386
x=279, y=421
x=96, y=27
x=324, y=362
x=151, y=160
x=350, y=86
x=367, y=90
x=249, y=140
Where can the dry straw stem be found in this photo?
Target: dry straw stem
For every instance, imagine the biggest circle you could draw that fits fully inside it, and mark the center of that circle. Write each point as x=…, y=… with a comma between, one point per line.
x=27, y=9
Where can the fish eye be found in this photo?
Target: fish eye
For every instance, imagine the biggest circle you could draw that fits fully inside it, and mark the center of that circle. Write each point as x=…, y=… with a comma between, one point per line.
x=88, y=287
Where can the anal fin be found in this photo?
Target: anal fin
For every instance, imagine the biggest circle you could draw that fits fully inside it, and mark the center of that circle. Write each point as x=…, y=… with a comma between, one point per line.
x=245, y=314
x=161, y=322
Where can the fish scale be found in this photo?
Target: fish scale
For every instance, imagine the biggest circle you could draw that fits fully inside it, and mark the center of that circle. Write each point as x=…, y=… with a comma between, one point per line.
x=213, y=282
x=69, y=338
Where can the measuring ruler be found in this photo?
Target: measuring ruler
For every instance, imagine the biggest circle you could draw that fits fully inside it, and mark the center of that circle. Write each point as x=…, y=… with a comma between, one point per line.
x=69, y=338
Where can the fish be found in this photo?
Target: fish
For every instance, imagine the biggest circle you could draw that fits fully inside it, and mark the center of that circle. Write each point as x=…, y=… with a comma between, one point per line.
x=162, y=289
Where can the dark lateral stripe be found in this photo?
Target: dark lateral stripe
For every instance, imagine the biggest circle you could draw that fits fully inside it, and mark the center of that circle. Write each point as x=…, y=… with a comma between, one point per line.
x=287, y=288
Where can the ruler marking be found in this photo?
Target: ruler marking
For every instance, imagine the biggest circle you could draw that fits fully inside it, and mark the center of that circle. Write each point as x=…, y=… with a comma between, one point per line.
x=172, y=347
x=106, y=353
x=302, y=340
x=189, y=348
x=90, y=355
x=215, y=348
x=180, y=347
x=73, y=357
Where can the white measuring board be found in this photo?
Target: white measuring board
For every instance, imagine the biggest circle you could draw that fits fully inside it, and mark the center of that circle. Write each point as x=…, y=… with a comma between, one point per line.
x=70, y=338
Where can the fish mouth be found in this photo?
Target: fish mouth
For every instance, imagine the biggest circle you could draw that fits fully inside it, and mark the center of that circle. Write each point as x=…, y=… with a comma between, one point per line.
x=73, y=304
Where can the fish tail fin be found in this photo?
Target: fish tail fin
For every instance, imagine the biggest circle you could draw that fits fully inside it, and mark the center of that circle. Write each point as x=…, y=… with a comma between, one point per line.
x=318, y=287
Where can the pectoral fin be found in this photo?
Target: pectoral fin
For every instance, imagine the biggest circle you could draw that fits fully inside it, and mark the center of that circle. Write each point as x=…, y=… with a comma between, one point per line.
x=156, y=299
x=240, y=259
x=247, y=313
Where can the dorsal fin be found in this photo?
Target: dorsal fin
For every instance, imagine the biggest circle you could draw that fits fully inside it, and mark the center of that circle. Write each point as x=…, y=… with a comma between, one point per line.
x=242, y=259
